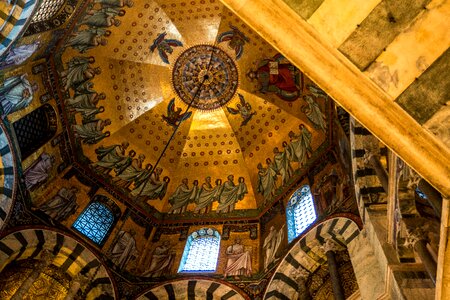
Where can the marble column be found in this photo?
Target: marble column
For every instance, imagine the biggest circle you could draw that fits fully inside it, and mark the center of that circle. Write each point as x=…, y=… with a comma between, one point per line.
x=46, y=259
x=77, y=282
x=417, y=240
x=443, y=275
x=370, y=271
x=372, y=158
x=300, y=276
x=330, y=251
x=434, y=198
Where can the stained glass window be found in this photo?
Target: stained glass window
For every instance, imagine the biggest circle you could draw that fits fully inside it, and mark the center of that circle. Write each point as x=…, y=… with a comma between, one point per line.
x=300, y=212
x=95, y=222
x=421, y=194
x=201, y=251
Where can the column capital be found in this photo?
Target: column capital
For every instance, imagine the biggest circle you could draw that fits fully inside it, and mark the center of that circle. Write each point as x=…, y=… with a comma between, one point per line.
x=46, y=258
x=299, y=274
x=81, y=279
x=413, y=236
x=369, y=153
x=329, y=245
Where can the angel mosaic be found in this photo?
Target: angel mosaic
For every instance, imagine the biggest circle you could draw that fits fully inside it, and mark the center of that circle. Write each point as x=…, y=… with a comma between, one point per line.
x=174, y=116
x=164, y=46
x=236, y=40
x=244, y=109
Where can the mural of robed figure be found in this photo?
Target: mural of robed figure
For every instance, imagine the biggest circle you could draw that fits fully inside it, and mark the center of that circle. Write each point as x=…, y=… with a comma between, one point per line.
x=62, y=205
x=239, y=261
x=124, y=249
x=161, y=262
x=16, y=93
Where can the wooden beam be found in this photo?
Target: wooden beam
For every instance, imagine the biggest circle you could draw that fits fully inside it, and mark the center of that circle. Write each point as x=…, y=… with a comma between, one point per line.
x=287, y=32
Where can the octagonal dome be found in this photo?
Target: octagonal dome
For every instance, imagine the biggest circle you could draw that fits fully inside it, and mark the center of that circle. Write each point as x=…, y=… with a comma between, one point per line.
x=200, y=98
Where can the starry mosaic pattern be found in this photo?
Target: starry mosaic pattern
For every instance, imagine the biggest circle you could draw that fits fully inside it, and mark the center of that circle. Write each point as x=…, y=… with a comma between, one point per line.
x=212, y=141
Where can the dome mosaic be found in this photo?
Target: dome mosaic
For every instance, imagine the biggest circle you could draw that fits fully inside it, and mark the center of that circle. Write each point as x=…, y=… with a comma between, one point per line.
x=205, y=77
x=159, y=113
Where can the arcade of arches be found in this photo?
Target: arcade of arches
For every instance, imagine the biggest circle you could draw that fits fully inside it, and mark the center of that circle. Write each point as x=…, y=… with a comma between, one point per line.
x=179, y=149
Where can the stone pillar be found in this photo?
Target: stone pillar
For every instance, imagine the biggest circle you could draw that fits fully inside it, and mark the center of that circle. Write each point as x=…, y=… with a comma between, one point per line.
x=45, y=260
x=372, y=158
x=369, y=269
x=443, y=276
x=77, y=282
x=330, y=247
x=300, y=276
x=417, y=240
x=434, y=198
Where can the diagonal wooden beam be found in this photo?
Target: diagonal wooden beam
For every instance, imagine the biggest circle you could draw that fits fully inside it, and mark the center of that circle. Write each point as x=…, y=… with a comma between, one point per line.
x=279, y=25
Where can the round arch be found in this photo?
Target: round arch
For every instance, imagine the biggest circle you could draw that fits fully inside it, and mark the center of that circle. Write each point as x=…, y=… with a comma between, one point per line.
x=18, y=16
x=193, y=288
x=69, y=255
x=305, y=254
x=8, y=177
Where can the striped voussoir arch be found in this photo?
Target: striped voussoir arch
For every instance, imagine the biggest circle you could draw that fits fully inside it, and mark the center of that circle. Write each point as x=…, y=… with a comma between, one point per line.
x=14, y=19
x=307, y=254
x=192, y=289
x=8, y=175
x=69, y=255
x=364, y=176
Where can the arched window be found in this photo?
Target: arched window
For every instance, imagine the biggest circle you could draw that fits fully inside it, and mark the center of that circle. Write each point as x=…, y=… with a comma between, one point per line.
x=35, y=129
x=201, y=251
x=300, y=212
x=421, y=194
x=97, y=219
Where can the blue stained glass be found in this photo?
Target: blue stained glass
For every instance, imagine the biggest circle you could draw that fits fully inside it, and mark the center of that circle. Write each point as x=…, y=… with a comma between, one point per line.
x=95, y=222
x=201, y=251
x=300, y=212
x=421, y=194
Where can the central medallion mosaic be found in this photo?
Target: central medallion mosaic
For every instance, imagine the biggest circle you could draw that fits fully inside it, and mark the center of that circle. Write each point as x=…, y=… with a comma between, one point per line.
x=205, y=77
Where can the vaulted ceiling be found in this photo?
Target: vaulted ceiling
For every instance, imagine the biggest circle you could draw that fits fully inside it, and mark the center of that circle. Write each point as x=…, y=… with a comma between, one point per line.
x=226, y=133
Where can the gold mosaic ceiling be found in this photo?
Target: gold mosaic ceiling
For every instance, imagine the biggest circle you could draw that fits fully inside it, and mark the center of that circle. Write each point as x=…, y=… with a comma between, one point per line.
x=138, y=85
